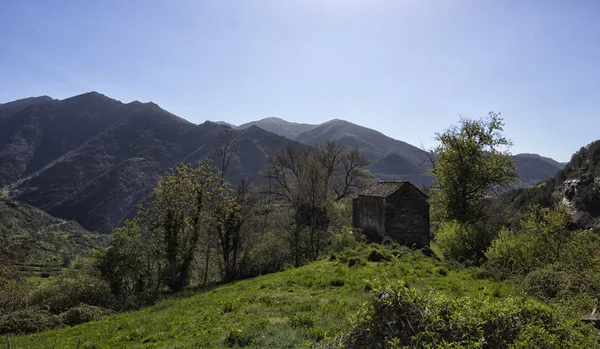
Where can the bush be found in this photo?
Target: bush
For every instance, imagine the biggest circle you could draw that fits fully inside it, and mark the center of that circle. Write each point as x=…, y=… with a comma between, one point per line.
x=378, y=255
x=265, y=257
x=82, y=314
x=459, y=242
x=543, y=238
x=557, y=280
x=14, y=295
x=343, y=240
x=402, y=317
x=69, y=291
x=356, y=262
x=27, y=320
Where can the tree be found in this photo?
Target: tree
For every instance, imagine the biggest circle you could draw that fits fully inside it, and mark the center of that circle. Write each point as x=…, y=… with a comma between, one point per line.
x=309, y=180
x=133, y=264
x=181, y=215
x=472, y=161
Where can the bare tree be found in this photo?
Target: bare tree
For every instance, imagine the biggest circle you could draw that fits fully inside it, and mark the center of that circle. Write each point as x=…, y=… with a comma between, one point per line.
x=311, y=178
x=225, y=148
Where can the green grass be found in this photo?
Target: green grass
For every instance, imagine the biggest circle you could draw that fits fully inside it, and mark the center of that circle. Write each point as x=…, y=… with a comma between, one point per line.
x=291, y=309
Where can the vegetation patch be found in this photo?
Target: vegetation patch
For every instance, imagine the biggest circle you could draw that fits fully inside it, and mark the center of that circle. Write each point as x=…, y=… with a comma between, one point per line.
x=288, y=309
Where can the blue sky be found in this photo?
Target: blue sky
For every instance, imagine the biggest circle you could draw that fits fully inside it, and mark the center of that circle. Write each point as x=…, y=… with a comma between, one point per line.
x=407, y=68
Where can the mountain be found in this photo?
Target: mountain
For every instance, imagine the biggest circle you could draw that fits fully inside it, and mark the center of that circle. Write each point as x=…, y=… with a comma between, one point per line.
x=93, y=159
x=10, y=108
x=281, y=127
x=393, y=159
x=533, y=168
x=390, y=158
x=45, y=130
x=39, y=242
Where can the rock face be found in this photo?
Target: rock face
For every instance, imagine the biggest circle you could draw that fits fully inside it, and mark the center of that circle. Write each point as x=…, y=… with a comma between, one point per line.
x=569, y=192
x=398, y=210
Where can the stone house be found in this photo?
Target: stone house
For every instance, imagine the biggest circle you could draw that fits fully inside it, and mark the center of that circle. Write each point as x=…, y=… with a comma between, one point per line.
x=395, y=209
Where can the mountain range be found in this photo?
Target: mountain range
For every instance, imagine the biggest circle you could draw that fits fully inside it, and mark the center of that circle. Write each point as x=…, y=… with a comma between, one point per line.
x=391, y=158
x=93, y=159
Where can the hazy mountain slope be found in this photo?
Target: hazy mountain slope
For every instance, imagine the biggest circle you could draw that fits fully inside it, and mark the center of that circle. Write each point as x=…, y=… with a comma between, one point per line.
x=98, y=183
x=281, y=127
x=111, y=156
x=393, y=159
x=533, y=168
x=39, y=133
x=390, y=158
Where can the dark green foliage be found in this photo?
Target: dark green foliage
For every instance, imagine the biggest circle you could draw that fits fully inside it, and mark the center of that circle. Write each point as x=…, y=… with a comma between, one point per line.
x=379, y=254
x=28, y=320
x=556, y=281
x=356, y=262
x=399, y=316
x=472, y=162
x=69, y=291
x=82, y=314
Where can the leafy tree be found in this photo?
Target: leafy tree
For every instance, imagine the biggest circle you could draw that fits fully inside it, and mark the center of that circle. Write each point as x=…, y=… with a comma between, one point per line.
x=471, y=162
x=132, y=265
x=181, y=216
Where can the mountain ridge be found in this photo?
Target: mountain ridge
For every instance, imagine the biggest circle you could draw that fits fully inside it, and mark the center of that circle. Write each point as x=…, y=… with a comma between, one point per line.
x=93, y=159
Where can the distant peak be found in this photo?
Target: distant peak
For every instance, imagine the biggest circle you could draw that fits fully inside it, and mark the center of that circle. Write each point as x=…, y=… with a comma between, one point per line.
x=87, y=96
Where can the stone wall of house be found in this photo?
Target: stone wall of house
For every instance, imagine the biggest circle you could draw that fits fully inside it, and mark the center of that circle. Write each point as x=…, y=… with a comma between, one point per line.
x=407, y=217
x=368, y=213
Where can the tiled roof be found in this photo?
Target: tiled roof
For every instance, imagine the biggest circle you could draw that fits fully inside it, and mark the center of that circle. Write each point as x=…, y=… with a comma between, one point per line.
x=383, y=189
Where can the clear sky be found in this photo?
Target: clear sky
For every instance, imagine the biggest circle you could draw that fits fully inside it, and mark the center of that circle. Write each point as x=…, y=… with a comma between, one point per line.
x=407, y=68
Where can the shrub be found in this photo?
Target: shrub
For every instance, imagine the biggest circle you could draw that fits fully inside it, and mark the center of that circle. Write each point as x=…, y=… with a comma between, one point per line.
x=27, y=320
x=542, y=238
x=459, y=241
x=82, y=314
x=303, y=320
x=556, y=280
x=378, y=255
x=441, y=271
x=265, y=257
x=343, y=240
x=356, y=261
x=337, y=282
x=398, y=316
x=69, y=291
x=14, y=295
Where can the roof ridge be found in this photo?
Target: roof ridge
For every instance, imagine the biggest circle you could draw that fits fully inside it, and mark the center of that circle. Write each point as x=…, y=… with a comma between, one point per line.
x=383, y=188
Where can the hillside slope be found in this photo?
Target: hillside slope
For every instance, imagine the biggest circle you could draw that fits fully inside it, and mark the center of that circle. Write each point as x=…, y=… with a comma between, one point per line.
x=577, y=185
x=42, y=130
x=279, y=126
x=390, y=158
x=38, y=242
x=292, y=309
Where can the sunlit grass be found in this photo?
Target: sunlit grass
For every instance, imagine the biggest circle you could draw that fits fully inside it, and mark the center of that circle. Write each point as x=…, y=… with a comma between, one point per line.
x=291, y=309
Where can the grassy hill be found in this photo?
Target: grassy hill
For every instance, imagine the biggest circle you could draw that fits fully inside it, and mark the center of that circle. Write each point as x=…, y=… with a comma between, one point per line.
x=292, y=309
